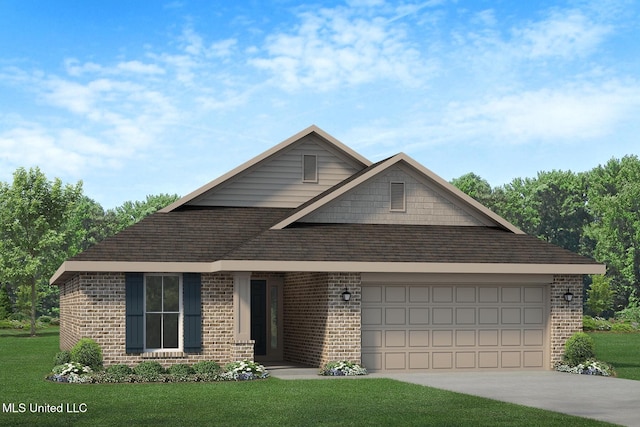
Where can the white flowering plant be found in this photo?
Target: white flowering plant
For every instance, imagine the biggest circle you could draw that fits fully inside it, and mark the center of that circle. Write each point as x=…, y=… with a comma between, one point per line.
x=71, y=372
x=590, y=367
x=342, y=368
x=244, y=370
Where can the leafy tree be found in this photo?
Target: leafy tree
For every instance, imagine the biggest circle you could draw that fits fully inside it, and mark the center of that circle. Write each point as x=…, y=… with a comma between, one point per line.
x=600, y=295
x=34, y=216
x=614, y=203
x=131, y=212
x=6, y=307
x=474, y=186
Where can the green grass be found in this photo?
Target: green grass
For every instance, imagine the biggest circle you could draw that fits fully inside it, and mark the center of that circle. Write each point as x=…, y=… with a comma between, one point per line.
x=621, y=351
x=24, y=362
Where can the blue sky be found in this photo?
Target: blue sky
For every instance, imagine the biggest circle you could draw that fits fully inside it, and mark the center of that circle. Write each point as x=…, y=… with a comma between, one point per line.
x=148, y=97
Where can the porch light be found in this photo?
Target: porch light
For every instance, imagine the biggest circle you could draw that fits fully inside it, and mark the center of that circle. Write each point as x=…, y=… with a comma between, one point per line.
x=346, y=295
x=568, y=296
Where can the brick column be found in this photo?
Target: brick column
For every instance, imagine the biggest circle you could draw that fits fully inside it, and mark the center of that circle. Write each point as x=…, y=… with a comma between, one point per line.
x=342, y=334
x=566, y=317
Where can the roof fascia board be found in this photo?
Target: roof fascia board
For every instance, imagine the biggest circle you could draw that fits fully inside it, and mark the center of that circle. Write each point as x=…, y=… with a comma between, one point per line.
x=321, y=266
x=270, y=152
x=129, y=267
x=406, y=267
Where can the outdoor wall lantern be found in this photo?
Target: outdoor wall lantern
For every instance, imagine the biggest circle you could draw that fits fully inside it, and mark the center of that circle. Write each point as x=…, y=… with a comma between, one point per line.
x=346, y=295
x=568, y=296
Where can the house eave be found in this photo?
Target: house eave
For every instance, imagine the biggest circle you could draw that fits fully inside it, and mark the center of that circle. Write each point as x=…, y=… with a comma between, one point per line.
x=70, y=268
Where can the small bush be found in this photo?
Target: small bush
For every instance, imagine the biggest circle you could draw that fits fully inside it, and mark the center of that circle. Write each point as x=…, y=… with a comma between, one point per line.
x=629, y=314
x=55, y=321
x=342, y=368
x=119, y=370
x=6, y=324
x=149, y=370
x=181, y=372
x=87, y=352
x=578, y=349
x=206, y=367
x=44, y=319
x=62, y=357
x=622, y=327
x=595, y=324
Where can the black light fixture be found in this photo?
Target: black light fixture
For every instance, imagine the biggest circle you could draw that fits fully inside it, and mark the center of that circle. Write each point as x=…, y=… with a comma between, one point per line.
x=568, y=296
x=346, y=295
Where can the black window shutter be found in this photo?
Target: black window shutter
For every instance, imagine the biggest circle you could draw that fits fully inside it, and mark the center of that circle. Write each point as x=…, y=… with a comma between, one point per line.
x=134, y=297
x=191, y=283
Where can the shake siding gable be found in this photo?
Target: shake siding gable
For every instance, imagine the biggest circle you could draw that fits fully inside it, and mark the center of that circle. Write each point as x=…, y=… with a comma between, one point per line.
x=279, y=181
x=369, y=203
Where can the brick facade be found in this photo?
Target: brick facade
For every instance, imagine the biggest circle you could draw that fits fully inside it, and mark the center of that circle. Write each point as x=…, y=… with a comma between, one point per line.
x=318, y=326
x=565, y=317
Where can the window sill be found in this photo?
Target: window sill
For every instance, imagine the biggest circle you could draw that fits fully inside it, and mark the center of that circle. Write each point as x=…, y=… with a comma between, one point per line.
x=164, y=355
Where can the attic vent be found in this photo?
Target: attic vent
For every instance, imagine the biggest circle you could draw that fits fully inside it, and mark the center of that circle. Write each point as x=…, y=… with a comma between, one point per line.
x=396, y=190
x=309, y=168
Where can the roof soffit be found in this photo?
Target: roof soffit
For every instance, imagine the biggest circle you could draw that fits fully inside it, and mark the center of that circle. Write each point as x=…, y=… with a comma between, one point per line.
x=334, y=145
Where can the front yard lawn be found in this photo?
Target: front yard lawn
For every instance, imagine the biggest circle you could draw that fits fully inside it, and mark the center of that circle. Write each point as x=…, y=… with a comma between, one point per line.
x=25, y=361
x=620, y=350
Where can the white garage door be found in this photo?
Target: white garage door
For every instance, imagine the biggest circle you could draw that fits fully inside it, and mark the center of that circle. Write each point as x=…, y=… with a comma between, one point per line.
x=432, y=327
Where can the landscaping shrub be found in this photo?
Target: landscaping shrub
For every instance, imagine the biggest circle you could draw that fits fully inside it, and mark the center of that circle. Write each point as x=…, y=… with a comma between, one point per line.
x=55, y=321
x=244, y=370
x=44, y=319
x=181, y=372
x=206, y=367
x=629, y=314
x=149, y=370
x=6, y=324
x=119, y=370
x=342, y=368
x=62, y=357
x=595, y=324
x=87, y=352
x=622, y=327
x=578, y=349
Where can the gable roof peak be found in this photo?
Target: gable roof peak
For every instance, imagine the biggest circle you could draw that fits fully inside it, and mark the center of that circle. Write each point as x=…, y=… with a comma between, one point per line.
x=267, y=154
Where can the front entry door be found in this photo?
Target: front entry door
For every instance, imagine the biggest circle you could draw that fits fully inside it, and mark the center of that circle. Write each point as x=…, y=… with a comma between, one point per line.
x=266, y=319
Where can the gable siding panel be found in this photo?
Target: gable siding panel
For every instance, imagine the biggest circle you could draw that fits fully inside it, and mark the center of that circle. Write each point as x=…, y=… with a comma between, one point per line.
x=279, y=181
x=370, y=202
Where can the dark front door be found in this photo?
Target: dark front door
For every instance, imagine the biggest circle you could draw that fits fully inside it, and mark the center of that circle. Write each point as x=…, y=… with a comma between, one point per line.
x=266, y=319
x=259, y=316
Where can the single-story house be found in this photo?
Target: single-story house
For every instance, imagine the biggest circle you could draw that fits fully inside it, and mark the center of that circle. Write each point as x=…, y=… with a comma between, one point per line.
x=310, y=253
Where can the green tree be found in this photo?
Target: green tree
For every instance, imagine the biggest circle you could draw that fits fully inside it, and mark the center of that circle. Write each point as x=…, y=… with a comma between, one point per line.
x=6, y=307
x=132, y=212
x=614, y=204
x=600, y=295
x=34, y=215
x=474, y=186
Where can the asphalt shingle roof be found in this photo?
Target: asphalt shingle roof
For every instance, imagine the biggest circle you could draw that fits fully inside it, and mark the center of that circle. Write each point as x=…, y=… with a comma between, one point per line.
x=211, y=234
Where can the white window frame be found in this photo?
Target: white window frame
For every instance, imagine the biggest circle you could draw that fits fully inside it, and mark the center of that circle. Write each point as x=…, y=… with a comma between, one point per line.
x=180, y=315
x=404, y=197
x=315, y=179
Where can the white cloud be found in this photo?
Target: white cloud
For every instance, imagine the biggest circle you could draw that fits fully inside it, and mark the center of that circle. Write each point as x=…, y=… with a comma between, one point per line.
x=331, y=48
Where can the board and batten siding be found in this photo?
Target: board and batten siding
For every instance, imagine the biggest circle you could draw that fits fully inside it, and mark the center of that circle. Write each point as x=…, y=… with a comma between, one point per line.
x=369, y=203
x=278, y=181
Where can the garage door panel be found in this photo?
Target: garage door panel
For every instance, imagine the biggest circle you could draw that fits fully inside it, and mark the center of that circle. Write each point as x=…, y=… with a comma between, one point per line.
x=442, y=316
x=442, y=327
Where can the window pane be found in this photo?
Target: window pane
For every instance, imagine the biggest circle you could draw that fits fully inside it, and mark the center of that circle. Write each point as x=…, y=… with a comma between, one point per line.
x=170, y=331
x=171, y=293
x=154, y=293
x=153, y=329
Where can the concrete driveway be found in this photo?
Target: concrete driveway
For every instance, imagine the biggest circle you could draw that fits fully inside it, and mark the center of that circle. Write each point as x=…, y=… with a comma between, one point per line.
x=607, y=399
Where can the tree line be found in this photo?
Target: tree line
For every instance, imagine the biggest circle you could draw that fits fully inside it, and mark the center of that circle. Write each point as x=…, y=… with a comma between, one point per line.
x=594, y=213
x=42, y=223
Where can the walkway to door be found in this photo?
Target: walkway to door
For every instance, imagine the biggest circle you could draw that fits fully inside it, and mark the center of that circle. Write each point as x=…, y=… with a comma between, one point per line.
x=607, y=399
